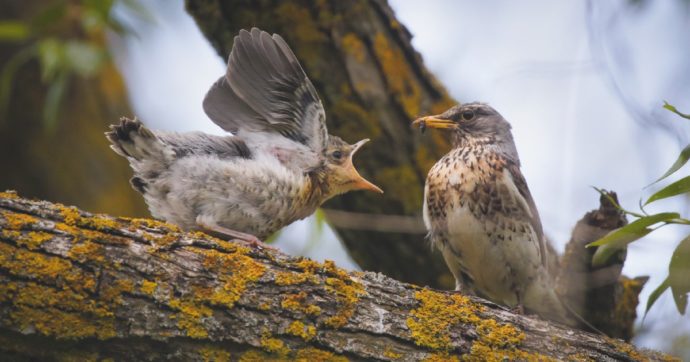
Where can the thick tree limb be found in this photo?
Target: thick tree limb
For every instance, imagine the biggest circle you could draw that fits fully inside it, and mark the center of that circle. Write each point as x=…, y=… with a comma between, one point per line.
x=93, y=286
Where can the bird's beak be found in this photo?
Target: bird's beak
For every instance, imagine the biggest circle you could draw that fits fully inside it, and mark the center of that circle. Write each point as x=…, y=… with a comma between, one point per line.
x=433, y=122
x=359, y=182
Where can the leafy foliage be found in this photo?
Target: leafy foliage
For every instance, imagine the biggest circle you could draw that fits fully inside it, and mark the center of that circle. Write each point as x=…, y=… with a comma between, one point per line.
x=678, y=279
x=67, y=38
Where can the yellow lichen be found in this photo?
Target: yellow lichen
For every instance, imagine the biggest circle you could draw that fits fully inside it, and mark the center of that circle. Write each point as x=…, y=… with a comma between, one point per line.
x=148, y=287
x=399, y=76
x=437, y=313
x=190, y=317
x=98, y=222
x=292, y=278
x=9, y=194
x=70, y=215
x=440, y=357
x=391, y=354
x=87, y=250
x=354, y=46
x=299, y=329
x=274, y=345
x=17, y=221
x=236, y=271
x=347, y=292
x=138, y=223
x=33, y=239
x=314, y=354
x=214, y=353
x=297, y=302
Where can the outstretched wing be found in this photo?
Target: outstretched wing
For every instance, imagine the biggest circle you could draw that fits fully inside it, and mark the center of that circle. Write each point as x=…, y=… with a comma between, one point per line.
x=266, y=90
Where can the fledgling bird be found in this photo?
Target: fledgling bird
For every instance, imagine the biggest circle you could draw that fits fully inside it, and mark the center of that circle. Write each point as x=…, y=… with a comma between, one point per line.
x=278, y=167
x=480, y=214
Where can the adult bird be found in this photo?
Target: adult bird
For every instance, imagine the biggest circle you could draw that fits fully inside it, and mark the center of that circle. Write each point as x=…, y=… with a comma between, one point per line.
x=480, y=214
x=278, y=167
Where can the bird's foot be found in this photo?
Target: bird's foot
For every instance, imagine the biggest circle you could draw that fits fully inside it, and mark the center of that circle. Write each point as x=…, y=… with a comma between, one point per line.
x=228, y=234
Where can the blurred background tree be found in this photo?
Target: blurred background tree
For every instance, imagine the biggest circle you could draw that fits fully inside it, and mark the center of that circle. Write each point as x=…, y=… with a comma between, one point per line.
x=59, y=90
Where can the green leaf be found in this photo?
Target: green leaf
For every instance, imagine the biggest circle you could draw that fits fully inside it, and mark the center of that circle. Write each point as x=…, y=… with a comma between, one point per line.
x=655, y=295
x=635, y=228
x=674, y=110
x=682, y=160
x=11, y=30
x=619, y=238
x=604, y=252
x=679, y=187
x=679, y=274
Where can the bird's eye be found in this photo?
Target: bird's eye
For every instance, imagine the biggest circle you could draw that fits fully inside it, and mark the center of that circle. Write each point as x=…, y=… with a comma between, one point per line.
x=337, y=155
x=467, y=115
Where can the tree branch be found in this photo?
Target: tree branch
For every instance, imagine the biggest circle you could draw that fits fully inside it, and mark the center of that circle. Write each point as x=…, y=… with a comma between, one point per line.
x=85, y=285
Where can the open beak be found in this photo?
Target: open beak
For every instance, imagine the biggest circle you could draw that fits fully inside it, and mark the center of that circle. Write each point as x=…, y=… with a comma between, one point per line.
x=433, y=122
x=360, y=183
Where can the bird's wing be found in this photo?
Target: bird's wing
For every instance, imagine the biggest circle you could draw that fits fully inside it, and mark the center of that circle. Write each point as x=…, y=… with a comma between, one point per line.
x=529, y=207
x=266, y=90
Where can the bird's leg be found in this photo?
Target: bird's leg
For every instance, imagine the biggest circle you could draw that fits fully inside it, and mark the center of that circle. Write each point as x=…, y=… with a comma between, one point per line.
x=519, y=308
x=226, y=233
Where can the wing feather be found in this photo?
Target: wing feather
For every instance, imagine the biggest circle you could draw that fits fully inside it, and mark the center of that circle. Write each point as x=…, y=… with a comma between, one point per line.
x=530, y=207
x=265, y=89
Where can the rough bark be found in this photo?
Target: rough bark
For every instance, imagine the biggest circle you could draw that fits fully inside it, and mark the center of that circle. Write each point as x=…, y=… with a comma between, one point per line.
x=373, y=84
x=91, y=286
x=602, y=295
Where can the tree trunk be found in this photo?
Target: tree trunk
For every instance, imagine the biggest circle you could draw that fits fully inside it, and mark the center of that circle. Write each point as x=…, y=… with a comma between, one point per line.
x=69, y=161
x=90, y=286
x=373, y=84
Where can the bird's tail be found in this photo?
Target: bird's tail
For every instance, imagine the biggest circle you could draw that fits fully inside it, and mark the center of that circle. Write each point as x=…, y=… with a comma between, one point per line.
x=146, y=154
x=131, y=139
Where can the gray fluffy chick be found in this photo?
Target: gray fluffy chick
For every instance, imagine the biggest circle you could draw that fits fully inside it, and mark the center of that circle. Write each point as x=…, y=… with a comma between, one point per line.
x=280, y=165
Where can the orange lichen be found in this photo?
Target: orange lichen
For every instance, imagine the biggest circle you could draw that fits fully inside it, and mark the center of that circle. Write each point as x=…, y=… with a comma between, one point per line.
x=299, y=329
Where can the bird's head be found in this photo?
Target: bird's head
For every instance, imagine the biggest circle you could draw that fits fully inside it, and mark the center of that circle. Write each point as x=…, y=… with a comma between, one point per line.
x=340, y=173
x=470, y=121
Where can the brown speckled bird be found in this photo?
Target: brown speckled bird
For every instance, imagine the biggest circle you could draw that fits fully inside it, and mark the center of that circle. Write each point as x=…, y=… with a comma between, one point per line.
x=480, y=214
x=278, y=167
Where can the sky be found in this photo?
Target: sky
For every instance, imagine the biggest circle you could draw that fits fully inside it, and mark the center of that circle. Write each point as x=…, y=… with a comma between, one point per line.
x=582, y=84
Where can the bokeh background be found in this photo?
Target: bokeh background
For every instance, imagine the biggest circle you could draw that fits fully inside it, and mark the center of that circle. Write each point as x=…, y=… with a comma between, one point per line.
x=582, y=83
